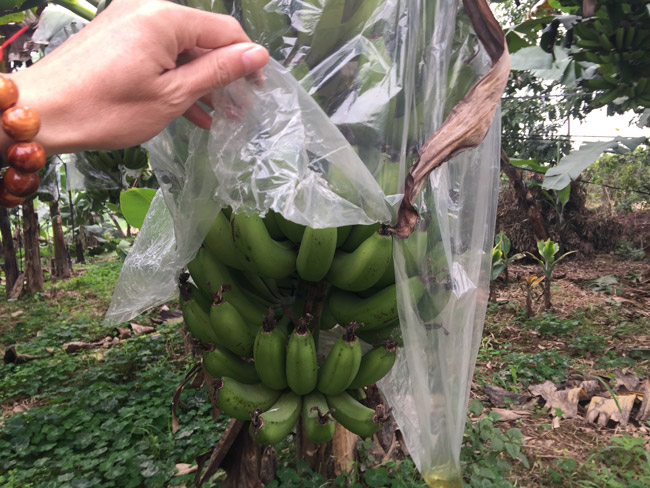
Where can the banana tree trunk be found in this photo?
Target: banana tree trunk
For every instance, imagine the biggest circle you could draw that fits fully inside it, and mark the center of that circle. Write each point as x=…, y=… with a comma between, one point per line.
x=33, y=269
x=525, y=198
x=61, y=268
x=8, y=251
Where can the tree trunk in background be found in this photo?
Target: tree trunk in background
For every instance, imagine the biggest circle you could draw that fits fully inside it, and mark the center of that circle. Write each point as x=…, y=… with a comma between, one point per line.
x=8, y=250
x=61, y=268
x=526, y=200
x=33, y=269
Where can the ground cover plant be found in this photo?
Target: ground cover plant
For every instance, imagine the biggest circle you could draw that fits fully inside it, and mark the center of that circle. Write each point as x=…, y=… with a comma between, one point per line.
x=103, y=418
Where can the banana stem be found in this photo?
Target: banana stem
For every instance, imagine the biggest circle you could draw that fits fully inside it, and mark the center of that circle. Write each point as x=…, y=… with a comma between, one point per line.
x=76, y=7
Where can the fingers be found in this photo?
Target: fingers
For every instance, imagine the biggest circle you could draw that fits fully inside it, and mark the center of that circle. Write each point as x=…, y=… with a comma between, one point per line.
x=198, y=117
x=217, y=68
x=207, y=30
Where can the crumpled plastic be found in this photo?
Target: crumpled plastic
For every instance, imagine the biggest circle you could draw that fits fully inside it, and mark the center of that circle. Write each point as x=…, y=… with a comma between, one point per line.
x=327, y=141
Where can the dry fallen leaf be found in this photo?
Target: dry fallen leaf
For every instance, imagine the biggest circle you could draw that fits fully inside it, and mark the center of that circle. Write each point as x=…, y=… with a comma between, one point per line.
x=545, y=390
x=565, y=401
x=601, y=410
x=509, y=415
x=183, y=469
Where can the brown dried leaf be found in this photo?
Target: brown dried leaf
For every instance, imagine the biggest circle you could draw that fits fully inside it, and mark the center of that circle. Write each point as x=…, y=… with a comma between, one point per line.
x=565, y=400
x=644, y=411
x=601, y=410
x=545, y=390
x=122, y=333
x=500, y=397
x=629, y=381
x=467, y=124
x=591, y=388
x=141, y=329
x=510, y=415
x=183, y=469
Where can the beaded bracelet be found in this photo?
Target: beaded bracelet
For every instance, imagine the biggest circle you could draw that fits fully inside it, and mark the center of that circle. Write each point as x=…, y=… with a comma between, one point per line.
x=25, y=156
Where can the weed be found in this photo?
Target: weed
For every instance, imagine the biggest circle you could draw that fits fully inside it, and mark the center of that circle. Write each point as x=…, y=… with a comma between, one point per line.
x=487, y=452
x=526, y=369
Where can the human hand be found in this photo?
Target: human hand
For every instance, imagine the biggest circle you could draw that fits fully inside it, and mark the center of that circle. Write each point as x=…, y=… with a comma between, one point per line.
x=137, y=66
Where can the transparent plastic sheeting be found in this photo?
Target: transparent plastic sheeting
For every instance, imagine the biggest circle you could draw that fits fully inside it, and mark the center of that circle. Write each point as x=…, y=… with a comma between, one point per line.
x=329, y=150
x=84, y=175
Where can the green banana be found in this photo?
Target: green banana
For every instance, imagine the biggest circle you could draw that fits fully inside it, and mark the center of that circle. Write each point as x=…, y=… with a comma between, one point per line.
x=264, y=26
x=268, y=257
x=373, y=312
x=239, y=400
x=356, y=16
x=190, y=291
x=221, y=362
x=316, y=418
x=272, y=226
x=231, y=328
x=290, y=229
x=301, y=366
x=220, y=243
x=391, y=331
x=316, y=253
x=358, y=234
x=116, y=154
x=135, y=157
x=275, y=424
x=327, y=319
x=323, y=36
x=341, y=364
x=107, y=161
x=388, y=278
x=375, y=364
x=209, y=275
x=342, y=234
x=362, y=268
x=270, y=354
x=354, y=416
x=197, y=321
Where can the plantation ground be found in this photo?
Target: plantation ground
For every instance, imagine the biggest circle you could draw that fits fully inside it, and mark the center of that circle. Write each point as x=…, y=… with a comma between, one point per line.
x=102, y=417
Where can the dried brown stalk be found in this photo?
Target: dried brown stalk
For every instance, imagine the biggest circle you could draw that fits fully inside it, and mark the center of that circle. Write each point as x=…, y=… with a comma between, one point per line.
x=468, y=123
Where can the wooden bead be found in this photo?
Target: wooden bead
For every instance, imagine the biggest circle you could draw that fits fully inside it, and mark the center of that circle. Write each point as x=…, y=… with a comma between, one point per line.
x=26, y=157
x=8, y=200
x=21, y=123
x=20, y=184
x=8, y=93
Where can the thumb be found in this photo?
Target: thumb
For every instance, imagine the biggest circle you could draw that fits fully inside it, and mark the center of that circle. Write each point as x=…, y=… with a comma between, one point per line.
x=219, y=67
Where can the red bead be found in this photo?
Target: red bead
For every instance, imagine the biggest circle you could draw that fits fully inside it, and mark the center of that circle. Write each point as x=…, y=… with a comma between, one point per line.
x=26, y=157
x=7, y=199
x=20, y=184
x=21, y=123
x=8, y=93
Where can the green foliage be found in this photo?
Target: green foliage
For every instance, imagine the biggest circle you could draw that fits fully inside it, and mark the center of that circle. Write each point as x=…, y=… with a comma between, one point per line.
x=135, y=204
x=628, y=250
x=526, y=368
x=488, y=453
x=106, y=421
x=627, y=177
x=547, y=251
x=501, y=257
x=624, y=463
x=367, y=473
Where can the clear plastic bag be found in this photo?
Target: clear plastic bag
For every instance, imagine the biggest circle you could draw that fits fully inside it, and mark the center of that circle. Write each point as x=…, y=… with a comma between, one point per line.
x=331, y=149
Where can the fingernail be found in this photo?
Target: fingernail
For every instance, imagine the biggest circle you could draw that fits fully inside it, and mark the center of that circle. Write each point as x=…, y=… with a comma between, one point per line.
x=254, y=58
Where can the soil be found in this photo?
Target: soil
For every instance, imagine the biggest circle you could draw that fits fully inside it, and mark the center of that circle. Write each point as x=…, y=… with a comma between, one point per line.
x=574, y=287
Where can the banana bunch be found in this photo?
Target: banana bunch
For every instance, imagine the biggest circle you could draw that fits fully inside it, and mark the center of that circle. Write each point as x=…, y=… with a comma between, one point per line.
x=263, y=289
x=135, y=157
